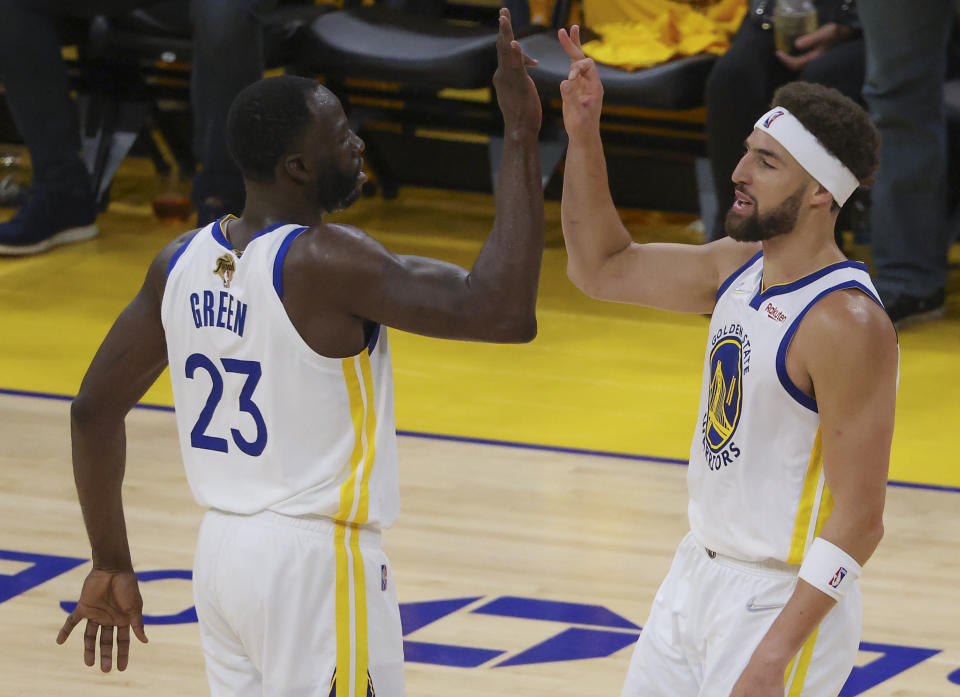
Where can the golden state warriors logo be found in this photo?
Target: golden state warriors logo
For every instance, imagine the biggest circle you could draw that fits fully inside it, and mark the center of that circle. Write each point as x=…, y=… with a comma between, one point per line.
x=226, y=267
x=726, y=392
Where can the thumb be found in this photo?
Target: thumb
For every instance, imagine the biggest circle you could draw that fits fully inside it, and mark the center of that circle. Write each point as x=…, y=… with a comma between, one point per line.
x=136, y=624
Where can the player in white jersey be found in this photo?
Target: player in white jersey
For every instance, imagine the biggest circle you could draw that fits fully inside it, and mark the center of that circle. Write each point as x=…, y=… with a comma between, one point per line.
x=273, y=326
x=791, y=447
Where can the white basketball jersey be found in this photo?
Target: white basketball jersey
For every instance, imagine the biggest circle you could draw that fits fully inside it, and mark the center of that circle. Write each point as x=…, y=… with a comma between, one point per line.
x=756, y=481
x=265, y=423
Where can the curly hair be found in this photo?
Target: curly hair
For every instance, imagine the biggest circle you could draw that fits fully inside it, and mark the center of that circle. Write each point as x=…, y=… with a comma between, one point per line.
x=265, y=121
x=839, y=123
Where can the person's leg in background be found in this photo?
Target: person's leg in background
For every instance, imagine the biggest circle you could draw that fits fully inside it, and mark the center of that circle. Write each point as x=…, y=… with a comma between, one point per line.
x=906, y=61
x=228, y=56
x=738, y=92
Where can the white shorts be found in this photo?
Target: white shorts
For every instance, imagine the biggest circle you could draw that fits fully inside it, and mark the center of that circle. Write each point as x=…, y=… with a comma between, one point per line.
x=296, y=607
x=711, y=613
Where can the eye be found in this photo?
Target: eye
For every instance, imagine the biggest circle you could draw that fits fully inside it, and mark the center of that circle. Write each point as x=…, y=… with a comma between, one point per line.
x=766, y=164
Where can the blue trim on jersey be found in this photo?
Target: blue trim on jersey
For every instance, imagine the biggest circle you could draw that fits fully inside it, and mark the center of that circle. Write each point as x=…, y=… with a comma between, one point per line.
x=760, y=297
x=177, y=254
x=485, y=441
x=732, y=277
x=217, y=232
x=372, y=344
x=794, y=391
x=218, y=235
x=281, y=255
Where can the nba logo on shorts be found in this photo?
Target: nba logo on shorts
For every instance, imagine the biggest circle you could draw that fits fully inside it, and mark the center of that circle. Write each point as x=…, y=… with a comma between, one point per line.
x=770, y=119
x=383, y=577
x=838, y=577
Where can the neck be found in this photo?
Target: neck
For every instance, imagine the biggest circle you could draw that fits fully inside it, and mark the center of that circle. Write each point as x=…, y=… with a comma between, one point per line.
x=267, y=205
x=809, y=247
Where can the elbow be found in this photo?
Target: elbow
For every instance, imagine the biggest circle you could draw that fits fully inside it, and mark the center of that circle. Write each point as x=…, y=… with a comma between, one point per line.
x=581, y=280
x=515, y=330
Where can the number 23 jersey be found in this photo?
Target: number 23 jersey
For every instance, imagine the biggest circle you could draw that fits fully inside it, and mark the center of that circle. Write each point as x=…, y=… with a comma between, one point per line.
x=266, y=423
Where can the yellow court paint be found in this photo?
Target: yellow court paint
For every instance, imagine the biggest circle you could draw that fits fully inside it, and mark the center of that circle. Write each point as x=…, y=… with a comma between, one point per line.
x=599, y=376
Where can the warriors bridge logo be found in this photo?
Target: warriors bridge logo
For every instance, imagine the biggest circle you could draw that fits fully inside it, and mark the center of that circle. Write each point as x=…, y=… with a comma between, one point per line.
x=726, y=392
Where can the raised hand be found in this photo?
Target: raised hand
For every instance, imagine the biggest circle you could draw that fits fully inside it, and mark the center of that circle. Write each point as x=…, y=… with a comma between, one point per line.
x=582, y=91
x=516, y=93
x=109, y=600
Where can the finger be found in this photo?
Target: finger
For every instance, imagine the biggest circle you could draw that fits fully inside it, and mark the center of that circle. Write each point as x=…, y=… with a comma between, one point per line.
x=575, y=35
x=569, y=45
x=90, y=642
x=68, y=625
x=136, y=623
x=807, y=40
x=123, y=647
x=106, y=648
x=524, y=59
x=581, y=67
x=791, y=62
x=506, y=28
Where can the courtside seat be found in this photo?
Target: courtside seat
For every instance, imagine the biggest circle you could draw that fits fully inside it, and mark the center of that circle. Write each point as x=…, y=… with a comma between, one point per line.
x=415, y=85
x=381, y=43
x=676, y=85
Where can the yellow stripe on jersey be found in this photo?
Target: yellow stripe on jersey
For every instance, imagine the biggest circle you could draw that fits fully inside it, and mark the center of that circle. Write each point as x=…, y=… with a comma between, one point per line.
x=370, y=419
x=362, y=657
x=803, y=665
x=357, y=416
x=826, y=508
x=343, y=611
x=808, y=499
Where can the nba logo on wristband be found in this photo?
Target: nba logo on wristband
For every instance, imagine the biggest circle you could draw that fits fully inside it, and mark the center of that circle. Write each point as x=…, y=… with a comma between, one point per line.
x=838, y=577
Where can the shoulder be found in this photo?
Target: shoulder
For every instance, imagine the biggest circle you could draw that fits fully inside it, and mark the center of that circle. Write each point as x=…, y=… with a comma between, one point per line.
x=848, y=328
x=160, y=266
x=331, y=248
x=729, y=256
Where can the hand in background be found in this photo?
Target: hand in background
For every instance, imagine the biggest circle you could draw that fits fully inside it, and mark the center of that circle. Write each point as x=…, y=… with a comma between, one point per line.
x=814, y=44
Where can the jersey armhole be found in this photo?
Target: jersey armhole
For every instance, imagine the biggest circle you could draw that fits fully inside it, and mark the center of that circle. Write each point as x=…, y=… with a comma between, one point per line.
x=799, y=395
x=281, y=255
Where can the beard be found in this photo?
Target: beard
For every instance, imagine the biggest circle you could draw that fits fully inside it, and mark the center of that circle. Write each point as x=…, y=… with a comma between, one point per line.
x=338, y=190
x=757, y=228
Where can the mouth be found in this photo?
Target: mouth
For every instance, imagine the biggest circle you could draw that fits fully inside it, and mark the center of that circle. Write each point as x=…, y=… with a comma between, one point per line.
x=742, y=203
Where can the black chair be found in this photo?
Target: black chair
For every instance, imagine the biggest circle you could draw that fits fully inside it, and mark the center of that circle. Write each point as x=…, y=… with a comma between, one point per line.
x=410, y=82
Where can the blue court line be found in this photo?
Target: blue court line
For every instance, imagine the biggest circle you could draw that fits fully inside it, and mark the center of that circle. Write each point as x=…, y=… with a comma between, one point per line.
x=490, y=441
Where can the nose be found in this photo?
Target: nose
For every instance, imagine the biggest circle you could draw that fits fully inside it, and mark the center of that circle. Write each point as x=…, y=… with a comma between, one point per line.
x=361, y=146
x=740, y=172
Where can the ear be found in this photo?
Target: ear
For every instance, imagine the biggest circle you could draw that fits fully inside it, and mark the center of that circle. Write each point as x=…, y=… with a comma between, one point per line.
x=295, y=168
x=821, y=197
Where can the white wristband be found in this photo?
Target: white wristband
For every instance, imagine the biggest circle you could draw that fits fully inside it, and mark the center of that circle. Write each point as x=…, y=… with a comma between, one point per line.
x=829, y=569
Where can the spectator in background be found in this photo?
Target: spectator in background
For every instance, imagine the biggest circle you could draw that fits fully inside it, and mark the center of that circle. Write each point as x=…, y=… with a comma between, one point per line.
x=744, y=79
x=906, y=47
x=61, y=208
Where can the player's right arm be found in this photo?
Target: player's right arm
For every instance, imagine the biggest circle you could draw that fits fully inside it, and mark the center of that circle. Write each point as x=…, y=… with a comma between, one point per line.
x=493, y=301
x=603, y=261
x=129, y=360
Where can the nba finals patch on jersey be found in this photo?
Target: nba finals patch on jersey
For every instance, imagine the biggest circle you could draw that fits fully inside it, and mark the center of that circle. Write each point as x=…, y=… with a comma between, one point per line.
x=225, y=269
x=729, y=362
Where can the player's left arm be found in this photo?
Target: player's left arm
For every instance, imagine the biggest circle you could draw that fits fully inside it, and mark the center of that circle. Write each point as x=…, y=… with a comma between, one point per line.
x=848, y=348
x=129, y=360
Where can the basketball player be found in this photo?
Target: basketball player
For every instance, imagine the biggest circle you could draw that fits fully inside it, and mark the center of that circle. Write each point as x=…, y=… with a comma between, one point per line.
x=272, y=325
x=790, y=452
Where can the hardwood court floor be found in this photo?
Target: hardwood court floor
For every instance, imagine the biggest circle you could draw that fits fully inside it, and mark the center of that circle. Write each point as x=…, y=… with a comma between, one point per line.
x=478, y=521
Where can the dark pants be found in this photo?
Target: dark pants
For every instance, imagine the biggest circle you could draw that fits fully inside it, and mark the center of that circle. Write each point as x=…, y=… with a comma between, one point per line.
x=906, y=58
x=739, y=91
x=228, y=56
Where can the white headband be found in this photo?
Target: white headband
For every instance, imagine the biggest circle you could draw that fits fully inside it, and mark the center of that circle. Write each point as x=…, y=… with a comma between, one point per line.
x=819, y=162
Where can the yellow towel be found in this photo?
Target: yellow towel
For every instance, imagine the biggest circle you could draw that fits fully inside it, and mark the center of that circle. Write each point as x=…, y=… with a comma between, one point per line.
x=641, y=33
